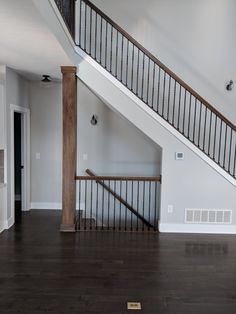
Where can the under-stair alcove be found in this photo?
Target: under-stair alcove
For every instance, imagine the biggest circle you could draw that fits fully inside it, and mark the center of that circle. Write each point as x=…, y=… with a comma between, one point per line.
x=115, y=148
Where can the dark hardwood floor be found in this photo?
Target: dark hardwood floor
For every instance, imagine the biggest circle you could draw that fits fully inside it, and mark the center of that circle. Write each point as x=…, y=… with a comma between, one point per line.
x=43, y=271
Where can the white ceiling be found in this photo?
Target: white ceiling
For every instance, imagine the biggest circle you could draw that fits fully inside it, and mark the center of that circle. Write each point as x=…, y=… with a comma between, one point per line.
x=26, y=44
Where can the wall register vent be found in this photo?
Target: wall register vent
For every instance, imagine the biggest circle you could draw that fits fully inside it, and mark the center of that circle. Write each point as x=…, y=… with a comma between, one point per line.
x=208, y=216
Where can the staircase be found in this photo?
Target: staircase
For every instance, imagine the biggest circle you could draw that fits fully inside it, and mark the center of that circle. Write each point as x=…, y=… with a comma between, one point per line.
x=155, y=85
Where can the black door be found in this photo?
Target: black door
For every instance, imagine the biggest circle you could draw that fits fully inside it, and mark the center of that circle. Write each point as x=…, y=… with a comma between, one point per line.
x=18, y=164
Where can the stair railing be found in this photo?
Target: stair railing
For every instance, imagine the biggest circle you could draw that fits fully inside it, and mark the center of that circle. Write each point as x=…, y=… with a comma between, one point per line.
x=67, y=10
x=156, y=85
x=152, y=82
x=123, y=203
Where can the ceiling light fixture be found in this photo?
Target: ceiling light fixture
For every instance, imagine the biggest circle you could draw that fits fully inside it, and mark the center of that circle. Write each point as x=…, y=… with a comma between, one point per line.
x=46, y=79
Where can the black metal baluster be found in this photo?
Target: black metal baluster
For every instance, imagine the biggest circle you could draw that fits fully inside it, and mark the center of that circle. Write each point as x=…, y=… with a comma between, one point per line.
x=80, y=23
x=204, y=137
x=189, y=114
x=226, y=132
x=168, y=102
x=155, y=208
x=101, y=41
x=219, y=148
x=85, y=29
x=120, y=205
x=126, y=199
x=142, y=87
x=102, y=204
x=96, y=207
x=91, y=204
x=214, y=152
x=116, y=54
x=132, y=70
x=106, y=44
x=179, y=107
x=137, y=205
x=209, y=138
x=127, y=63
x=85, y=205
x=194, y=120
x=163, y=96
x=111, y=53
x=199, y=126
x=114, y=218
x=173, y=110
x=158, y=88
x=132, y=197
x=153, y=82
x=95, y=44
x=185, y=95
x=149, y=205
x=230, y=146
x=137, y=75
x=91, y=31
x=79, y=205
x=143, y=202
x=108, y=206
x=121, y=63
x=234, y=159
x=148, y=87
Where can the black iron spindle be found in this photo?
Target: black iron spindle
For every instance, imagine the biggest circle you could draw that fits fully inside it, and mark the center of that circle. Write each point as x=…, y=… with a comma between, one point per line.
x=143, y=203
x=103, y=192
x=96, y=223
x=91, y=203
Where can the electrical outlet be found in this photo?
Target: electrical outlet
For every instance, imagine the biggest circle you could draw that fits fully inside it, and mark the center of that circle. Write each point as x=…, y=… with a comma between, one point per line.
x=170, y=209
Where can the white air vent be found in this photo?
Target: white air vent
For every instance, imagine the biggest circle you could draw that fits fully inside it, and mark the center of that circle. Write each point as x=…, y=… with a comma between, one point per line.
x=208, y=216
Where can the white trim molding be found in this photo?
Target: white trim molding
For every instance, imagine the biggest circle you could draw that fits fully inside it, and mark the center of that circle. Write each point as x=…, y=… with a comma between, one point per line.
x=198, y=228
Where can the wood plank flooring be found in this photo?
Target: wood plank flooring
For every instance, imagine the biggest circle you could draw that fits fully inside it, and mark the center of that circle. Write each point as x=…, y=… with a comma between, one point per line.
x=43, y=271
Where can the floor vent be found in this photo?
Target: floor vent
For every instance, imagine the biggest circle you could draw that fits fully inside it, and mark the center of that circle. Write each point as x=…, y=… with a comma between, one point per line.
x=208, y=216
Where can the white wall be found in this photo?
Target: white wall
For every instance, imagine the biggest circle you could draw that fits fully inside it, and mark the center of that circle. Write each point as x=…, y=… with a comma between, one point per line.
x=195, y=39
x=114, y=146
x=46, y=139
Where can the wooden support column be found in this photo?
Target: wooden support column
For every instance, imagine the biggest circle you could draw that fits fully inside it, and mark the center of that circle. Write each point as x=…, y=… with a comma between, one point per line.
x=69, y=148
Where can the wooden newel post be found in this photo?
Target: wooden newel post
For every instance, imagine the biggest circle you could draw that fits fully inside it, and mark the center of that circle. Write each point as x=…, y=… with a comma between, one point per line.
x=69, y=148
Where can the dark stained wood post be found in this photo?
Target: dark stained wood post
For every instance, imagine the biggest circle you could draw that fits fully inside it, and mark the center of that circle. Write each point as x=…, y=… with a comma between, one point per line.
x=69, y=148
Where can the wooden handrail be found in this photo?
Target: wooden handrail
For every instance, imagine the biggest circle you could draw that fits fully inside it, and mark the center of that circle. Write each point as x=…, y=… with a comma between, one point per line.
x=161, y=65
x=118, y=197
x=116, y=178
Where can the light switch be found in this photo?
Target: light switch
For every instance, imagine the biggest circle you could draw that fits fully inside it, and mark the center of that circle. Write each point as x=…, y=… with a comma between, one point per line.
x=37, y=156
x=85, y=156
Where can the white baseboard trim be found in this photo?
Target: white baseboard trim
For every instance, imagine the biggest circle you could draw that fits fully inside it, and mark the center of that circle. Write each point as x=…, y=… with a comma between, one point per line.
x=198, y=228
x=56, y=206
x=53, y=206
x=2, y=226
x=10, y=222
x=6, y=224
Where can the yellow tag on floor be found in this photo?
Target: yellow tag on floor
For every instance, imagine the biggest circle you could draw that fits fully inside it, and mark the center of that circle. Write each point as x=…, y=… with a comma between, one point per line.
x=134, y=306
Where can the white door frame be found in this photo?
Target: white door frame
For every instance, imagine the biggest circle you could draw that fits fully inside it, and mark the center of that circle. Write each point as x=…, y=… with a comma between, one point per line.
x=25, y=158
